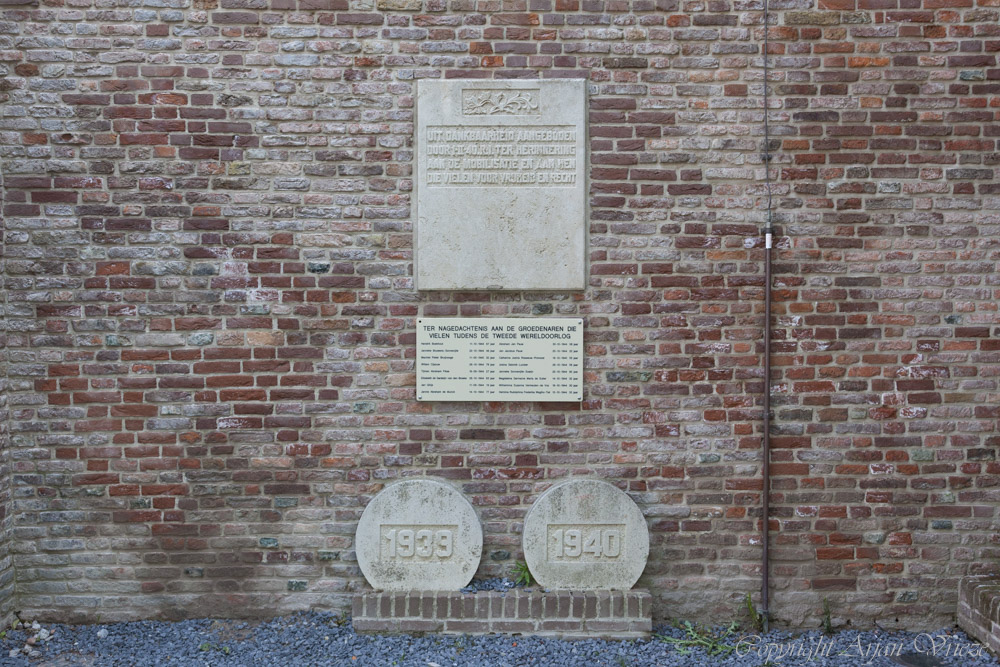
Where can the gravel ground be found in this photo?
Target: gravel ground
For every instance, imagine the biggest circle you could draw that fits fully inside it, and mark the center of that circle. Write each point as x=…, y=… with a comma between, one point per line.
x=322, y=638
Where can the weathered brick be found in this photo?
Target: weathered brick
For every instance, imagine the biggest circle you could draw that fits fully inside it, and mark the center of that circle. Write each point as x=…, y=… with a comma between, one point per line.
x=211, y=284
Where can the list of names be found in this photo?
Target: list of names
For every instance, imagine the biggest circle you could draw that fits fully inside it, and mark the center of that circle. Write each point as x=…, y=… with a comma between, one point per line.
x=499, y=359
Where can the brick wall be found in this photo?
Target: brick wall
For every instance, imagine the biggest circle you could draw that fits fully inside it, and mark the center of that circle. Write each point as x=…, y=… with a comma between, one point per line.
x=563, y=614
x=979, y=610
x=211, y=315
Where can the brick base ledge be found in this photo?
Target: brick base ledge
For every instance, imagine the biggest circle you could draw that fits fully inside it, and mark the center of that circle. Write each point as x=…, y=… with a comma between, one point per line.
x=979, y=609
x=564, y=614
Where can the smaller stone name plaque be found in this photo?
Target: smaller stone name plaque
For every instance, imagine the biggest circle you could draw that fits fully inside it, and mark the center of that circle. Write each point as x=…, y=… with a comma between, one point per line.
x=499, y=359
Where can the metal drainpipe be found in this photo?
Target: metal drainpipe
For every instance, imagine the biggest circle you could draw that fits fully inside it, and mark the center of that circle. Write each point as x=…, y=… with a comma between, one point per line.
x=766, y=454
x=766, y=448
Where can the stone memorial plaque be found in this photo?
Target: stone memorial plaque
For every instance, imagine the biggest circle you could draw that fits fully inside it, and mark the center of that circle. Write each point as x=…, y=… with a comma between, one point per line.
x=501, y=185
x=499, y=359
x=419, y=534
x=585, y=535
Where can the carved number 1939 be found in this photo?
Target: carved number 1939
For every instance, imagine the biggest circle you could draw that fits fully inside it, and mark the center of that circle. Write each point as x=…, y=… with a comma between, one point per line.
x=408, y=543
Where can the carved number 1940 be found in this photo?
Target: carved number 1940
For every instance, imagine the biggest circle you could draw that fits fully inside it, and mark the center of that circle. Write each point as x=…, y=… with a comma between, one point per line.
x=587, y=543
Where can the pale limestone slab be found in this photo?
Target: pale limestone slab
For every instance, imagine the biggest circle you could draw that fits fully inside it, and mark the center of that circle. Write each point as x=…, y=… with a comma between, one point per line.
x=419, y=534
x=585, y=535
x=501, y=185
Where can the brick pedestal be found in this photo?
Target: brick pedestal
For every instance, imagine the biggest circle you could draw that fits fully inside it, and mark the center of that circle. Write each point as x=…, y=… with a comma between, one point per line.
x=979, y=609
x=564, y=614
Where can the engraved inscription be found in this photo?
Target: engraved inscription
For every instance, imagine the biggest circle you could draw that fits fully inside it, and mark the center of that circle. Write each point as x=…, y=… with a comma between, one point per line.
x=419, y=543
x=499, y=359
x=584, y=543
x=528, y=155
x=499, y=102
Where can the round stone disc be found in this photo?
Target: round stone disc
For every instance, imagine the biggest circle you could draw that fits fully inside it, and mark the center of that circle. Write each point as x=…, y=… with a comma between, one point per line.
x=419, y=534
x=585, y=535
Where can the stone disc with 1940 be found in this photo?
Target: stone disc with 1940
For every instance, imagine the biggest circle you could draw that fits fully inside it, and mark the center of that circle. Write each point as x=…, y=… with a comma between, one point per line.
x=585, y=534
x=419, y=534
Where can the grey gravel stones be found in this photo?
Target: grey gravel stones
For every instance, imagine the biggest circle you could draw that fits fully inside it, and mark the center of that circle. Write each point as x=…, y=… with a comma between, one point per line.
x=495, y=584
x=328, y=639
